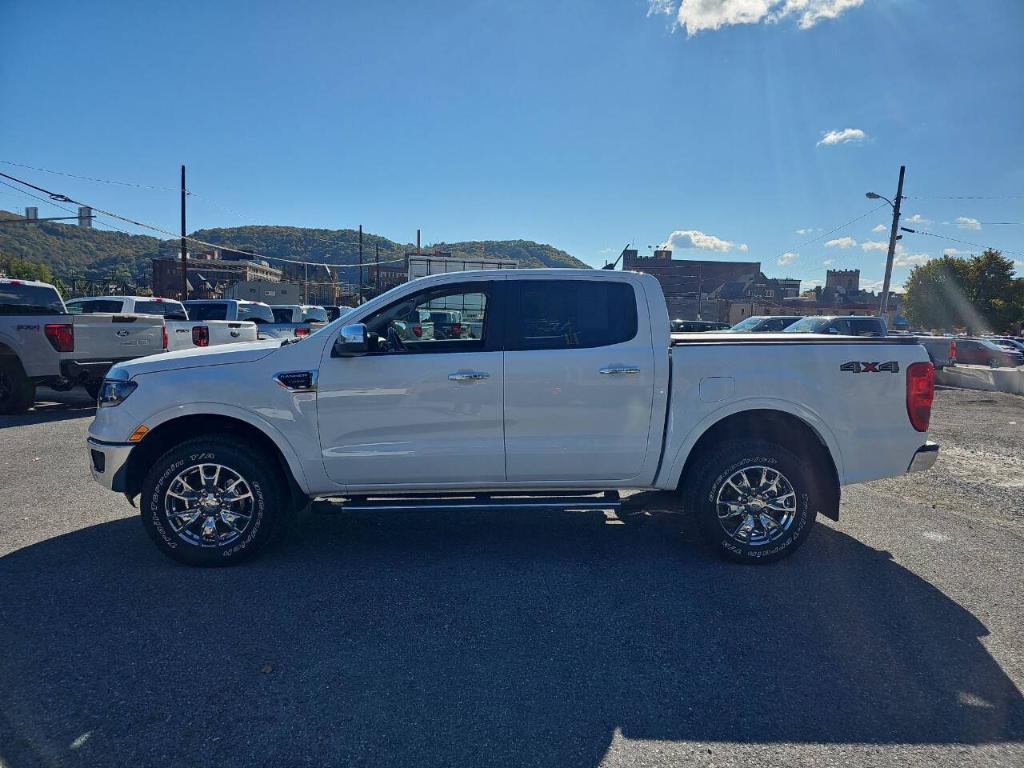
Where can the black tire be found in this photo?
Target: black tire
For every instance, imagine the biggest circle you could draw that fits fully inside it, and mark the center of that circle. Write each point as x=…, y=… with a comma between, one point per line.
x=17, y=391
x=92, y=387
x=183, y=542
x=812, y=486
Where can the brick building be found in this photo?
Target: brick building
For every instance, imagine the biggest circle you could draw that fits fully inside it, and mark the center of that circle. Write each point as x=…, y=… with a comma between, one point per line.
x=209, y=274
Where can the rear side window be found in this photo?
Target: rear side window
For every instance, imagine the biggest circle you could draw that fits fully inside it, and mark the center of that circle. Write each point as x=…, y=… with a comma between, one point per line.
x=571, y=314
x=208, y=311
x=170, y=309
x=868, y=326
x=88, y=306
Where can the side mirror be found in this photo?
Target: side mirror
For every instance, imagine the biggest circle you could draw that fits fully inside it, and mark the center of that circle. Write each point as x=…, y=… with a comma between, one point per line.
x=351, y=342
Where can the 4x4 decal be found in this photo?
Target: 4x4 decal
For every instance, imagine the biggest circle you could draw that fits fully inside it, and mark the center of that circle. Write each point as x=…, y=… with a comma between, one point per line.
x=856, y=367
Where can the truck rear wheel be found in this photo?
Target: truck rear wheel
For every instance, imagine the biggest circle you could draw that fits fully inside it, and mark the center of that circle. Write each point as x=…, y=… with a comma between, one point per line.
x=213, y=501
x=755, y=501
x=17, y=391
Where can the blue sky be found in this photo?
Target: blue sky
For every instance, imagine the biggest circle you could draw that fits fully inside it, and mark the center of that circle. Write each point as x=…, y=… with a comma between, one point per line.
x=585, y=125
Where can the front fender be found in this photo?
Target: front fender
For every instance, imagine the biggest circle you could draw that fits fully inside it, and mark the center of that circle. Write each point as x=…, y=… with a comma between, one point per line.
x=291, y=456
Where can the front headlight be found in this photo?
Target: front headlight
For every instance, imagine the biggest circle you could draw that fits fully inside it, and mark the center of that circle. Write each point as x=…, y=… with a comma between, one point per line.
x=114, y=391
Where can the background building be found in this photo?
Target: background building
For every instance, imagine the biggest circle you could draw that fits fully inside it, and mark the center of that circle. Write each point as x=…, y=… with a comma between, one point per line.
x=265, y=291
x=210, y=274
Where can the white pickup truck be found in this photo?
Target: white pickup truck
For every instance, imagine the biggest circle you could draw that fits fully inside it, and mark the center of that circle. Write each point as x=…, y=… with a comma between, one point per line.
x=574, y=391
x=182, y=333
x=268, y=325
x=40, y=343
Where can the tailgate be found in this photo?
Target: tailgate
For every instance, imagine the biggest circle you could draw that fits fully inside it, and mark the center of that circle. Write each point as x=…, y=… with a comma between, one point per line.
x=103, y=336
x=230, y=331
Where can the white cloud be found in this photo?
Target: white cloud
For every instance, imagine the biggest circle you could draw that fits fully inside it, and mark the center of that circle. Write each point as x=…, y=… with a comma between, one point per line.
x=786, y=258
x=827, y=263
x=966, y=222
x=700, y=15
x=879, y=228
x=811, y=284
x=953, y=252
x=910, y=259
x=845, y=136
x=875, y=245
x=917, y=218
x=873, y=285
x=692, y=238
x=841, y=242
x=805, y=231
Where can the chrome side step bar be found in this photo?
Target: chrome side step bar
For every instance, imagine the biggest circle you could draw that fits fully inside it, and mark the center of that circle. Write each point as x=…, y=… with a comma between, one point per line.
x=607, y=500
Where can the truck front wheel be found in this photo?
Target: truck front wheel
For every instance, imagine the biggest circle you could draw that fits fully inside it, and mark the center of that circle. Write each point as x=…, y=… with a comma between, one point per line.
x=17, y=391
x=755, y=501
x=212, y=501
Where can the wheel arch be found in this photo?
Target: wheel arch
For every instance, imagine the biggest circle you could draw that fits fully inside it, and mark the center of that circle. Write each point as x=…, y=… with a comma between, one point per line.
x=178, y=429
x=764, y=423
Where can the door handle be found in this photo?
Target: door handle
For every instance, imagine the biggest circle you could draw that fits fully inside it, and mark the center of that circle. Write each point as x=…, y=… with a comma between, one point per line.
x=468, y=376
x=618, y=370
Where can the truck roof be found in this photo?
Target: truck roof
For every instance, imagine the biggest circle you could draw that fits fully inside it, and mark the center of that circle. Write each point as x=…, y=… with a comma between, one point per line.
x=33, y=283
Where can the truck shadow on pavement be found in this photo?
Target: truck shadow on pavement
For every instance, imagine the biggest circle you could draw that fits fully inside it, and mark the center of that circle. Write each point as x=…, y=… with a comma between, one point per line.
x=474, y=639
x=53, y=406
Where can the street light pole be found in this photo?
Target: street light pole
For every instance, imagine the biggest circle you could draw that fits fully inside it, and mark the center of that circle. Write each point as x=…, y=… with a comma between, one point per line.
x=893, y=236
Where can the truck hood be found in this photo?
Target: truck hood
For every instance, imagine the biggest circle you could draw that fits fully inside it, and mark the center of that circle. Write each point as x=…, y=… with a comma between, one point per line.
x=223, y=354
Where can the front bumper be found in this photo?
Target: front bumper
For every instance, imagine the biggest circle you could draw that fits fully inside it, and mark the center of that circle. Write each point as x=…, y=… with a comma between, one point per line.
x=924, y=457
x=108, y=462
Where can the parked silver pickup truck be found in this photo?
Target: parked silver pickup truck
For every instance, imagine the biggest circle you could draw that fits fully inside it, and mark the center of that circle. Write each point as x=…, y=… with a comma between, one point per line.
x=40, y=343
x=182, y=333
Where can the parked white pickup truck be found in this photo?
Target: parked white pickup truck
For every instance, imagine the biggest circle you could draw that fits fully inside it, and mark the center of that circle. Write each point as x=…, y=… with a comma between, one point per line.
x=574, y=391
x=40, y=343
x=267, y=324
x=182, y=333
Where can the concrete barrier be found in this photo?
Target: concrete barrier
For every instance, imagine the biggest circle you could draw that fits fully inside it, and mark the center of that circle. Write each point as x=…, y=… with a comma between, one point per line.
x=982, y=377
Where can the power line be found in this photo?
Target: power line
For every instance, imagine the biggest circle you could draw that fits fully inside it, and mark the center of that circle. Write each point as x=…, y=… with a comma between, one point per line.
x=831, y=231
x=58, y=197
x=963, y=197
x=90, y=178
x=962, y=242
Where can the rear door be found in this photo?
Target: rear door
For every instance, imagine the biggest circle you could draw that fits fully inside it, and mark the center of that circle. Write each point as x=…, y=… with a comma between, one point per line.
x=579, y=381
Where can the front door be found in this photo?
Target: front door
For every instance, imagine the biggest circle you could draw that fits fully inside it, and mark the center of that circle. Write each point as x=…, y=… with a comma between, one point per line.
x=579, y=382
x=422, y=407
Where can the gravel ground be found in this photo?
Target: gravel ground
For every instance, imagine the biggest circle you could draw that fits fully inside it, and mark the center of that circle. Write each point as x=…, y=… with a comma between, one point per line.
x=895, y=637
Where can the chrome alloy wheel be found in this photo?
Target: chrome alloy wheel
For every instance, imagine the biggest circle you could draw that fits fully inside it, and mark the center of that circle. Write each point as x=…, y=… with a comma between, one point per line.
x=756, y=506
x=209, y=505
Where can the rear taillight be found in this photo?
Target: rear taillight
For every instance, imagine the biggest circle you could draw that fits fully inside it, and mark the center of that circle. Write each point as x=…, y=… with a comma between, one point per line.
x=201, y=335
x=920, y=393
x=163, y=336
x=456, y=329
x=61, y=336
x=952, y=350
x=417, y=331
x=300, y=332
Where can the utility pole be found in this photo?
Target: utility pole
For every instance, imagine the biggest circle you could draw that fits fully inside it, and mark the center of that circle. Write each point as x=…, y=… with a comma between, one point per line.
x=700, y=285
x=360, y=263
x=305, y=284
x=892, y=243
x=184, y=245
x=377, y=264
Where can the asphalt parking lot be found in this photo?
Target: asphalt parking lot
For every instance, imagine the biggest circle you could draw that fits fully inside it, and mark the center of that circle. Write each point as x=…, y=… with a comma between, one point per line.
x=894, y=637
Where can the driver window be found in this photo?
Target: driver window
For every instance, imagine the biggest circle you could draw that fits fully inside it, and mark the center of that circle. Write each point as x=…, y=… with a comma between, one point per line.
x=448, y=319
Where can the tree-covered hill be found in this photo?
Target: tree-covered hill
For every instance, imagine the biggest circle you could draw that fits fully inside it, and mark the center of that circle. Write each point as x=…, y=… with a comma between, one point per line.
x=73, y=251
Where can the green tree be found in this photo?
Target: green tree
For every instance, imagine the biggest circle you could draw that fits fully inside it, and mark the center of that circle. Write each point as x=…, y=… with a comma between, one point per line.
x=980, y=294
x=24, y=269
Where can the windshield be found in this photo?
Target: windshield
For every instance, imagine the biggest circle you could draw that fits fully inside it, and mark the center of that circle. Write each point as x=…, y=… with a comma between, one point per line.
x=808, y=325
x=18, y=298
x=89, y=306
x=257, y=313
x=747, y=325
x=315, y=314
